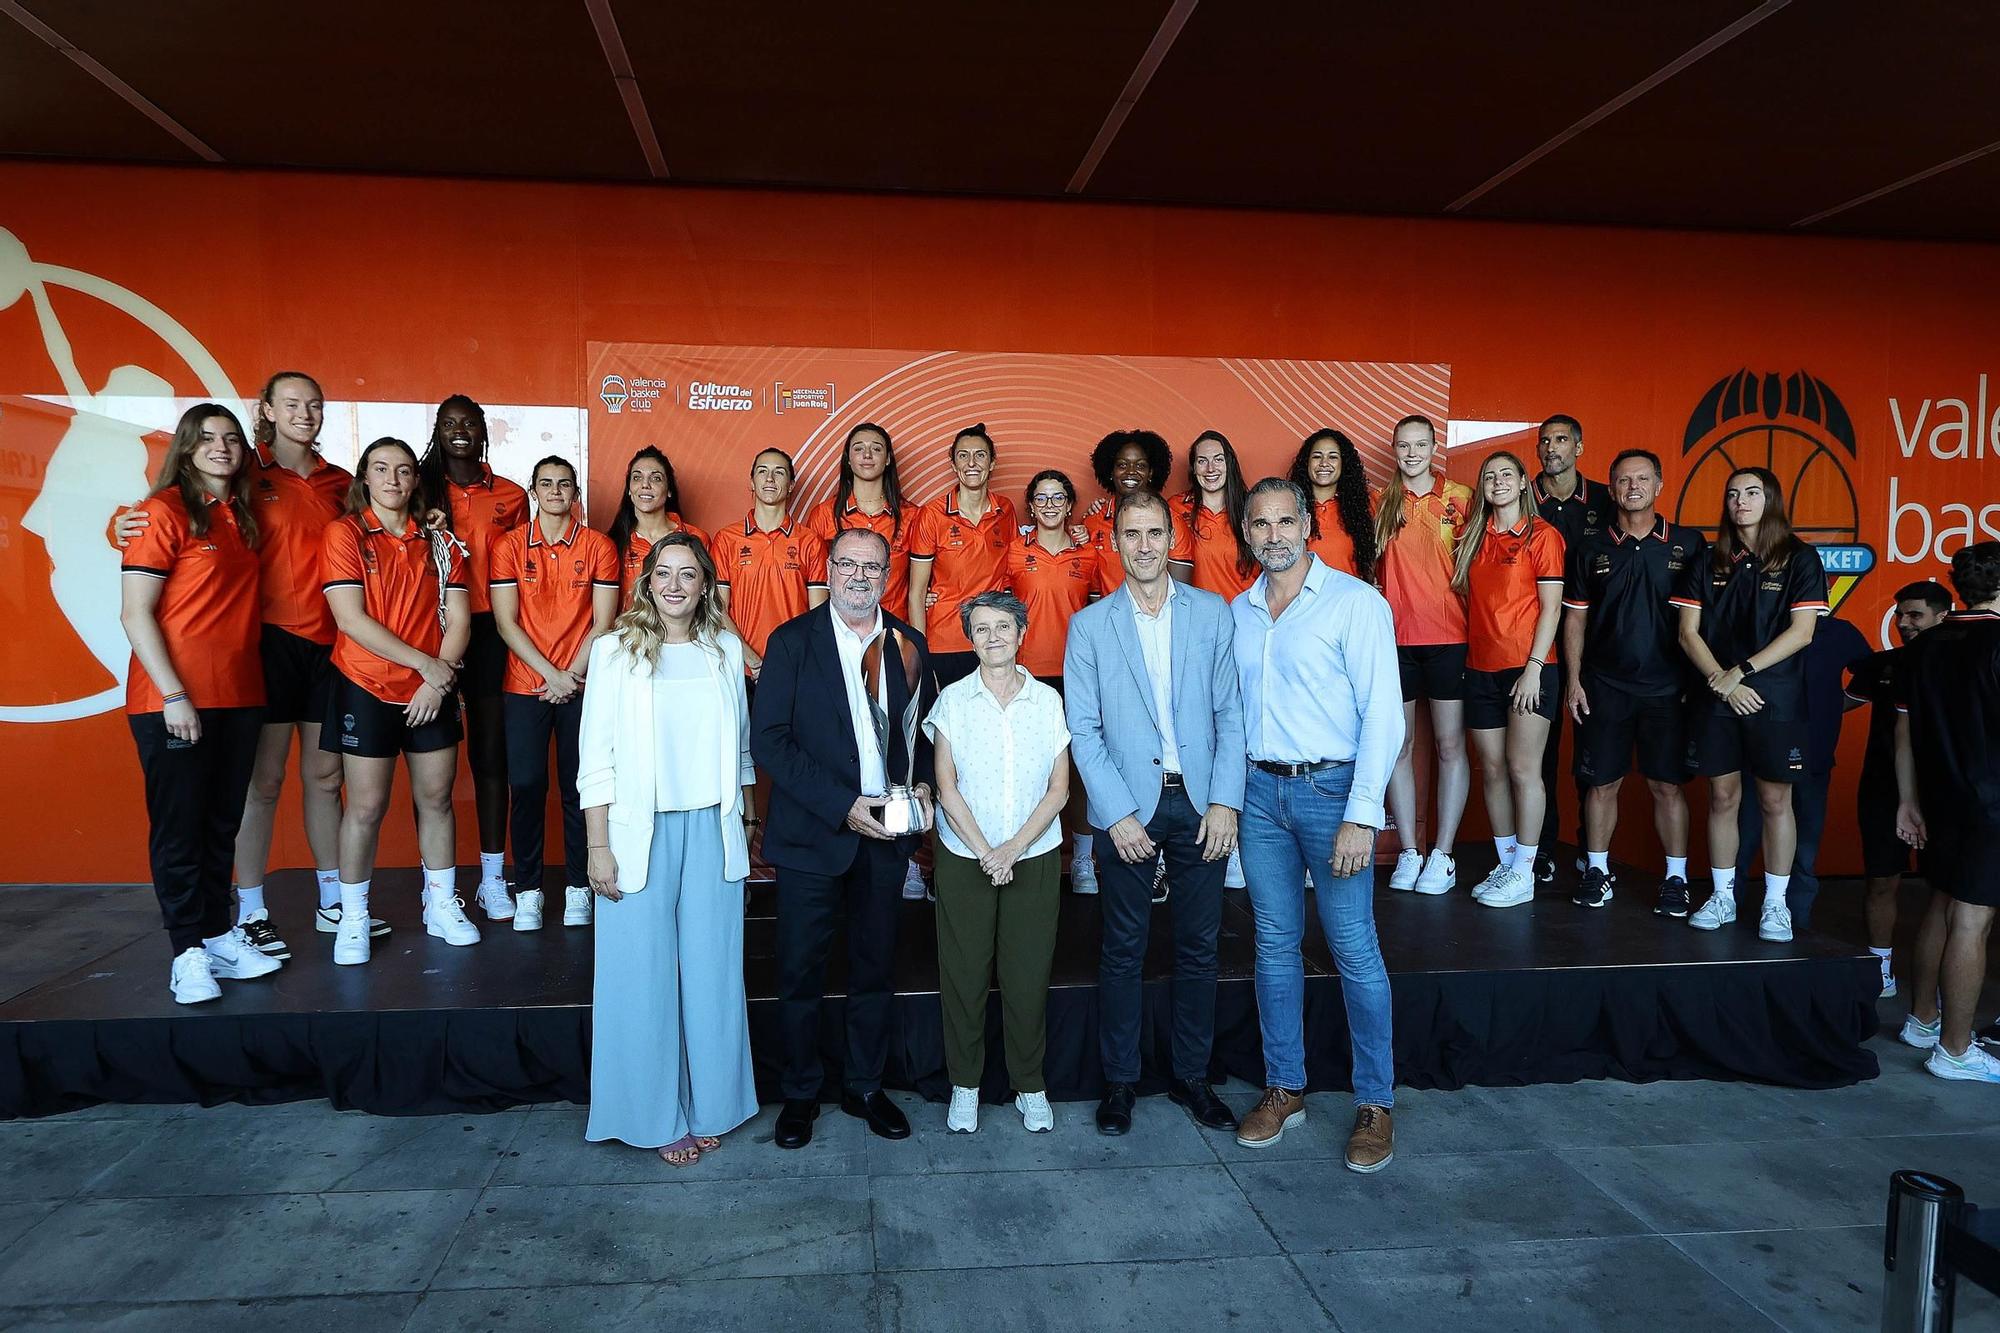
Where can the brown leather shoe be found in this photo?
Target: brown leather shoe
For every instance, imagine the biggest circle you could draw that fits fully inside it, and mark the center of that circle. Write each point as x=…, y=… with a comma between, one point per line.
x=1372, y=1145
x=1276, y=1113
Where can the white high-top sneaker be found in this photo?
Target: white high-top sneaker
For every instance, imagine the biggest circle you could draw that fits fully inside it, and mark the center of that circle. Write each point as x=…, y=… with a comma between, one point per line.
x=528, y=909
x=495, y=901
x=444, y=917
x=577, y=906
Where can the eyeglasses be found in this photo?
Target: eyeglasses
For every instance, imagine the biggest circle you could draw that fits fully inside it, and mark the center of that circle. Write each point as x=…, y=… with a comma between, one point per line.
x=847, y=569
x=1056, y=499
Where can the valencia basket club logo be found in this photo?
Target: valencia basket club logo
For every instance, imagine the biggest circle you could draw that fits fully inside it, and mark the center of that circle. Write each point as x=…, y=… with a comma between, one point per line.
x=1794, y=425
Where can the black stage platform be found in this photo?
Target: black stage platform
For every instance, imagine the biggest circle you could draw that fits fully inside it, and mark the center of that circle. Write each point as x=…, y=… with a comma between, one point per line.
x=1545, y=993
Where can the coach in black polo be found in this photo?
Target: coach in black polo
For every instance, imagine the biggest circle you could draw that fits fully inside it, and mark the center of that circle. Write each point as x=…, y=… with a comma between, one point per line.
x=1576, y=506
x=1627, y=673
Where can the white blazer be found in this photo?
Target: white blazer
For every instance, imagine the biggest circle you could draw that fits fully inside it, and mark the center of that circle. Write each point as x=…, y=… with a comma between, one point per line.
x=616, y=765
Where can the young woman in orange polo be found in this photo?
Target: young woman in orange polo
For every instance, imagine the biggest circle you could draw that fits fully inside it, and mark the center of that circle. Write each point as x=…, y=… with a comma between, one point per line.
x=1123, y=462
x=1419, y=517
x=959, y=551
x=1510, y=571
x=648, y=510
x=1208, y=519
x=869, y=495
x=1327, y=468
x=194, y=694
x=772, y=565
x=402, y=620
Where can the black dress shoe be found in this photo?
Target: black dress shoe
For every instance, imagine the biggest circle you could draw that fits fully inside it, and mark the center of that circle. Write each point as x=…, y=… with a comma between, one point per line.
x=795, y=1122
x=1114, y=1113
x=1202, y=1103
x=883, y=1116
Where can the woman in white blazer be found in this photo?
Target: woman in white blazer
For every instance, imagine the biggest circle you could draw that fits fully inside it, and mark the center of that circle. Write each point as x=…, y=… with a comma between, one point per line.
x=663, y=780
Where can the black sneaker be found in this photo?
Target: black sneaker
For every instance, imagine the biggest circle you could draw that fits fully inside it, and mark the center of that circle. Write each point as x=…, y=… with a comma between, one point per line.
x=1545, y=868
x=1596, y=889
x=265, y=940
x=1673, y=897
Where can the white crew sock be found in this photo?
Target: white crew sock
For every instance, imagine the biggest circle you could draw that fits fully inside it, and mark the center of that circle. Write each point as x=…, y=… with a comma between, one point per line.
x=1506, y=848
x=1724, y=879
x=1774, y=888
x=492, y=868
x=329, y=887
x=353, y=901
x=249, y=901
x=1600, y=861
x=1524, y=858
x=1883, y=954
x=1677, y=867
x=1080, y=847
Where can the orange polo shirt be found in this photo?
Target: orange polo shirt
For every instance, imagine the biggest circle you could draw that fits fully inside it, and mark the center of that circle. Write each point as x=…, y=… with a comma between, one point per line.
x=1502, y=601
x=1415, y=571
x=1333, y=546
x=292, y=511
x=208, y=611
x=1205, y=539
x=556, y=583
x=896, y=593
x=399, y=586
x=637, y=548
x=770, y=575
x=966, y=559
x=1054, y=587
x=482, y=513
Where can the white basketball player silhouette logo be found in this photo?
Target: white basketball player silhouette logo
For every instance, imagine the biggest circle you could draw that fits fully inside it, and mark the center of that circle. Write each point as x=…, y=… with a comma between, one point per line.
x=97, y=466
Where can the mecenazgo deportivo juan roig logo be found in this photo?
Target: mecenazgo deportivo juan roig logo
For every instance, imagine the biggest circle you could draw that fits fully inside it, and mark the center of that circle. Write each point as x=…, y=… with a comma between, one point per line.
x=1796, y=426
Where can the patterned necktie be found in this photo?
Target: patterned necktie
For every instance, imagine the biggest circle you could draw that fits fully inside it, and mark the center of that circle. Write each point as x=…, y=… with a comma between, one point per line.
x=871, y=679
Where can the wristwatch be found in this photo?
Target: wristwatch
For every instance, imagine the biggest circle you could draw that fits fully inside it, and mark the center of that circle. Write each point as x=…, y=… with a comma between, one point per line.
x=1747, y=670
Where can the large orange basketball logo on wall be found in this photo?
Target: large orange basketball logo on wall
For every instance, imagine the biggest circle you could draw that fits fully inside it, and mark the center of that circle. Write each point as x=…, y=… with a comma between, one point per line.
x=1798, y=428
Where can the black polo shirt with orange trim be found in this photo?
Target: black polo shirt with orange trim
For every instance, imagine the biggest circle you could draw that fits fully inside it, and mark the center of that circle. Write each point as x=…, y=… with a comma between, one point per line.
x=1588, y=509
x=1743, y=608
x=1631, y=637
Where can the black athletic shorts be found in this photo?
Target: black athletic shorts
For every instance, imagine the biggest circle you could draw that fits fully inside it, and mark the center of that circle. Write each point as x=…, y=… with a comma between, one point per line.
x=1882, y=853
x=359, y=724
x=1431, y=671
x=1620, y=722
x=298, y=677
x=485, y=660
x=1961, y=859
x=1489, y=697
x=1771, y=749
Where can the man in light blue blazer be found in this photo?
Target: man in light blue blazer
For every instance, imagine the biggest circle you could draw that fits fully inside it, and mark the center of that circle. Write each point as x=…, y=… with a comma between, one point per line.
x=1156, y=727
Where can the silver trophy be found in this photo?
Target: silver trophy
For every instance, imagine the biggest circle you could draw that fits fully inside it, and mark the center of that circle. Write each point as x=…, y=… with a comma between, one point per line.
x=903, y=813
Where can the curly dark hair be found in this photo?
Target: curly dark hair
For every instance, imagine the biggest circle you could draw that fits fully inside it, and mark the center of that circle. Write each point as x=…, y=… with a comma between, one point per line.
x=1159, y=458
x=1350, y=495
x=431, y=469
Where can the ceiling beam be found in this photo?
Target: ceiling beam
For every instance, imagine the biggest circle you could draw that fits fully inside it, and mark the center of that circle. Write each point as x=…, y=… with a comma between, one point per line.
x=627, y=84
x=89, y=64
x=1135, y=87
x=1891, y=188
x=1623, y=100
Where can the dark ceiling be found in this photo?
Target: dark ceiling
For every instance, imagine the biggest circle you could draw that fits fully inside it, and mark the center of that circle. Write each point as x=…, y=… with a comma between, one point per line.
x=1827, y=116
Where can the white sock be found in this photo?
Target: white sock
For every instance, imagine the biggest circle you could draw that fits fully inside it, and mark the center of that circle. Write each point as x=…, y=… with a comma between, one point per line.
x=353, y=900
x=329, y=887
x=1774, y=888
x=1677, y=867
x=1724, y=879
x=1883, y=954
x=1506, y=848
x=443, y=882
x=1080, y=847
x=493, y=867
x=1524, y=857
x=1600, y=861
x=249, y=901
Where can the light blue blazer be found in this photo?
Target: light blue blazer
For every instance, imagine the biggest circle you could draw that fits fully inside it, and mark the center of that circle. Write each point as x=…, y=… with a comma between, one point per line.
x=1114, y=731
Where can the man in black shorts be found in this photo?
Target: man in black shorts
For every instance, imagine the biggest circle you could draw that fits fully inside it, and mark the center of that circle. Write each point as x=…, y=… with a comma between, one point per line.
x=1884, y=856
x=1576, y=506
x=1948, y=775
x=1626, y=673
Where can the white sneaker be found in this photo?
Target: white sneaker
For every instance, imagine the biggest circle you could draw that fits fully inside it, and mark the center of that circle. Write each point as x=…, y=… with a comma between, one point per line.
x=1232, y=875
x=1083, y=875
x=1487, y=885
x=192, y=981
x=1977, y=1065
x=1922, y=1035
x=1718, y=911
x=350, y=943
x=327, y=922
x=577, y=906
x=233, y=957
x=1888, y=981
x=528, y=909
x=1775, y=923
x=495, y=901
x=913, y=884
x=963, y=1117
x=1409, y=865
x=1507, y=888
x=1439, y=874
x=1036, y=1114
x=444, y=917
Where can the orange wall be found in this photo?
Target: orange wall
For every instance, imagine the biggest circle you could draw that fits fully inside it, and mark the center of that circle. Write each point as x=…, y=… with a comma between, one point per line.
x=404, y=290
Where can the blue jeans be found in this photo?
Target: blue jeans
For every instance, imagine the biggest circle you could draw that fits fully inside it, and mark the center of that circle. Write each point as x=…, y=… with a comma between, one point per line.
x=1289, y=824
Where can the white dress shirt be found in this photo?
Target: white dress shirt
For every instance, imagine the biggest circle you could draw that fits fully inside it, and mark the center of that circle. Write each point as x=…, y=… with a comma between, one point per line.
x=1002, y=755
x=1320, y=682
x=1156, y=644
x=874, y=767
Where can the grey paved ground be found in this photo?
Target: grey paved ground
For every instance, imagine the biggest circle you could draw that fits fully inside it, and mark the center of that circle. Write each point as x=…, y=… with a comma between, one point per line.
x=1598, y=1205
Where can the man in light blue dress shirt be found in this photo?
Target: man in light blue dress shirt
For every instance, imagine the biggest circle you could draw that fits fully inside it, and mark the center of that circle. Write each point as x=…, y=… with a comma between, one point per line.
x=1323, y=721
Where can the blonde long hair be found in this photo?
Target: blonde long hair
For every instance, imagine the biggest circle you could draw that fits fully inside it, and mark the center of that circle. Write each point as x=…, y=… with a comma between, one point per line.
x=1482, y=513
x=1389, y=510
x=642, y=630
